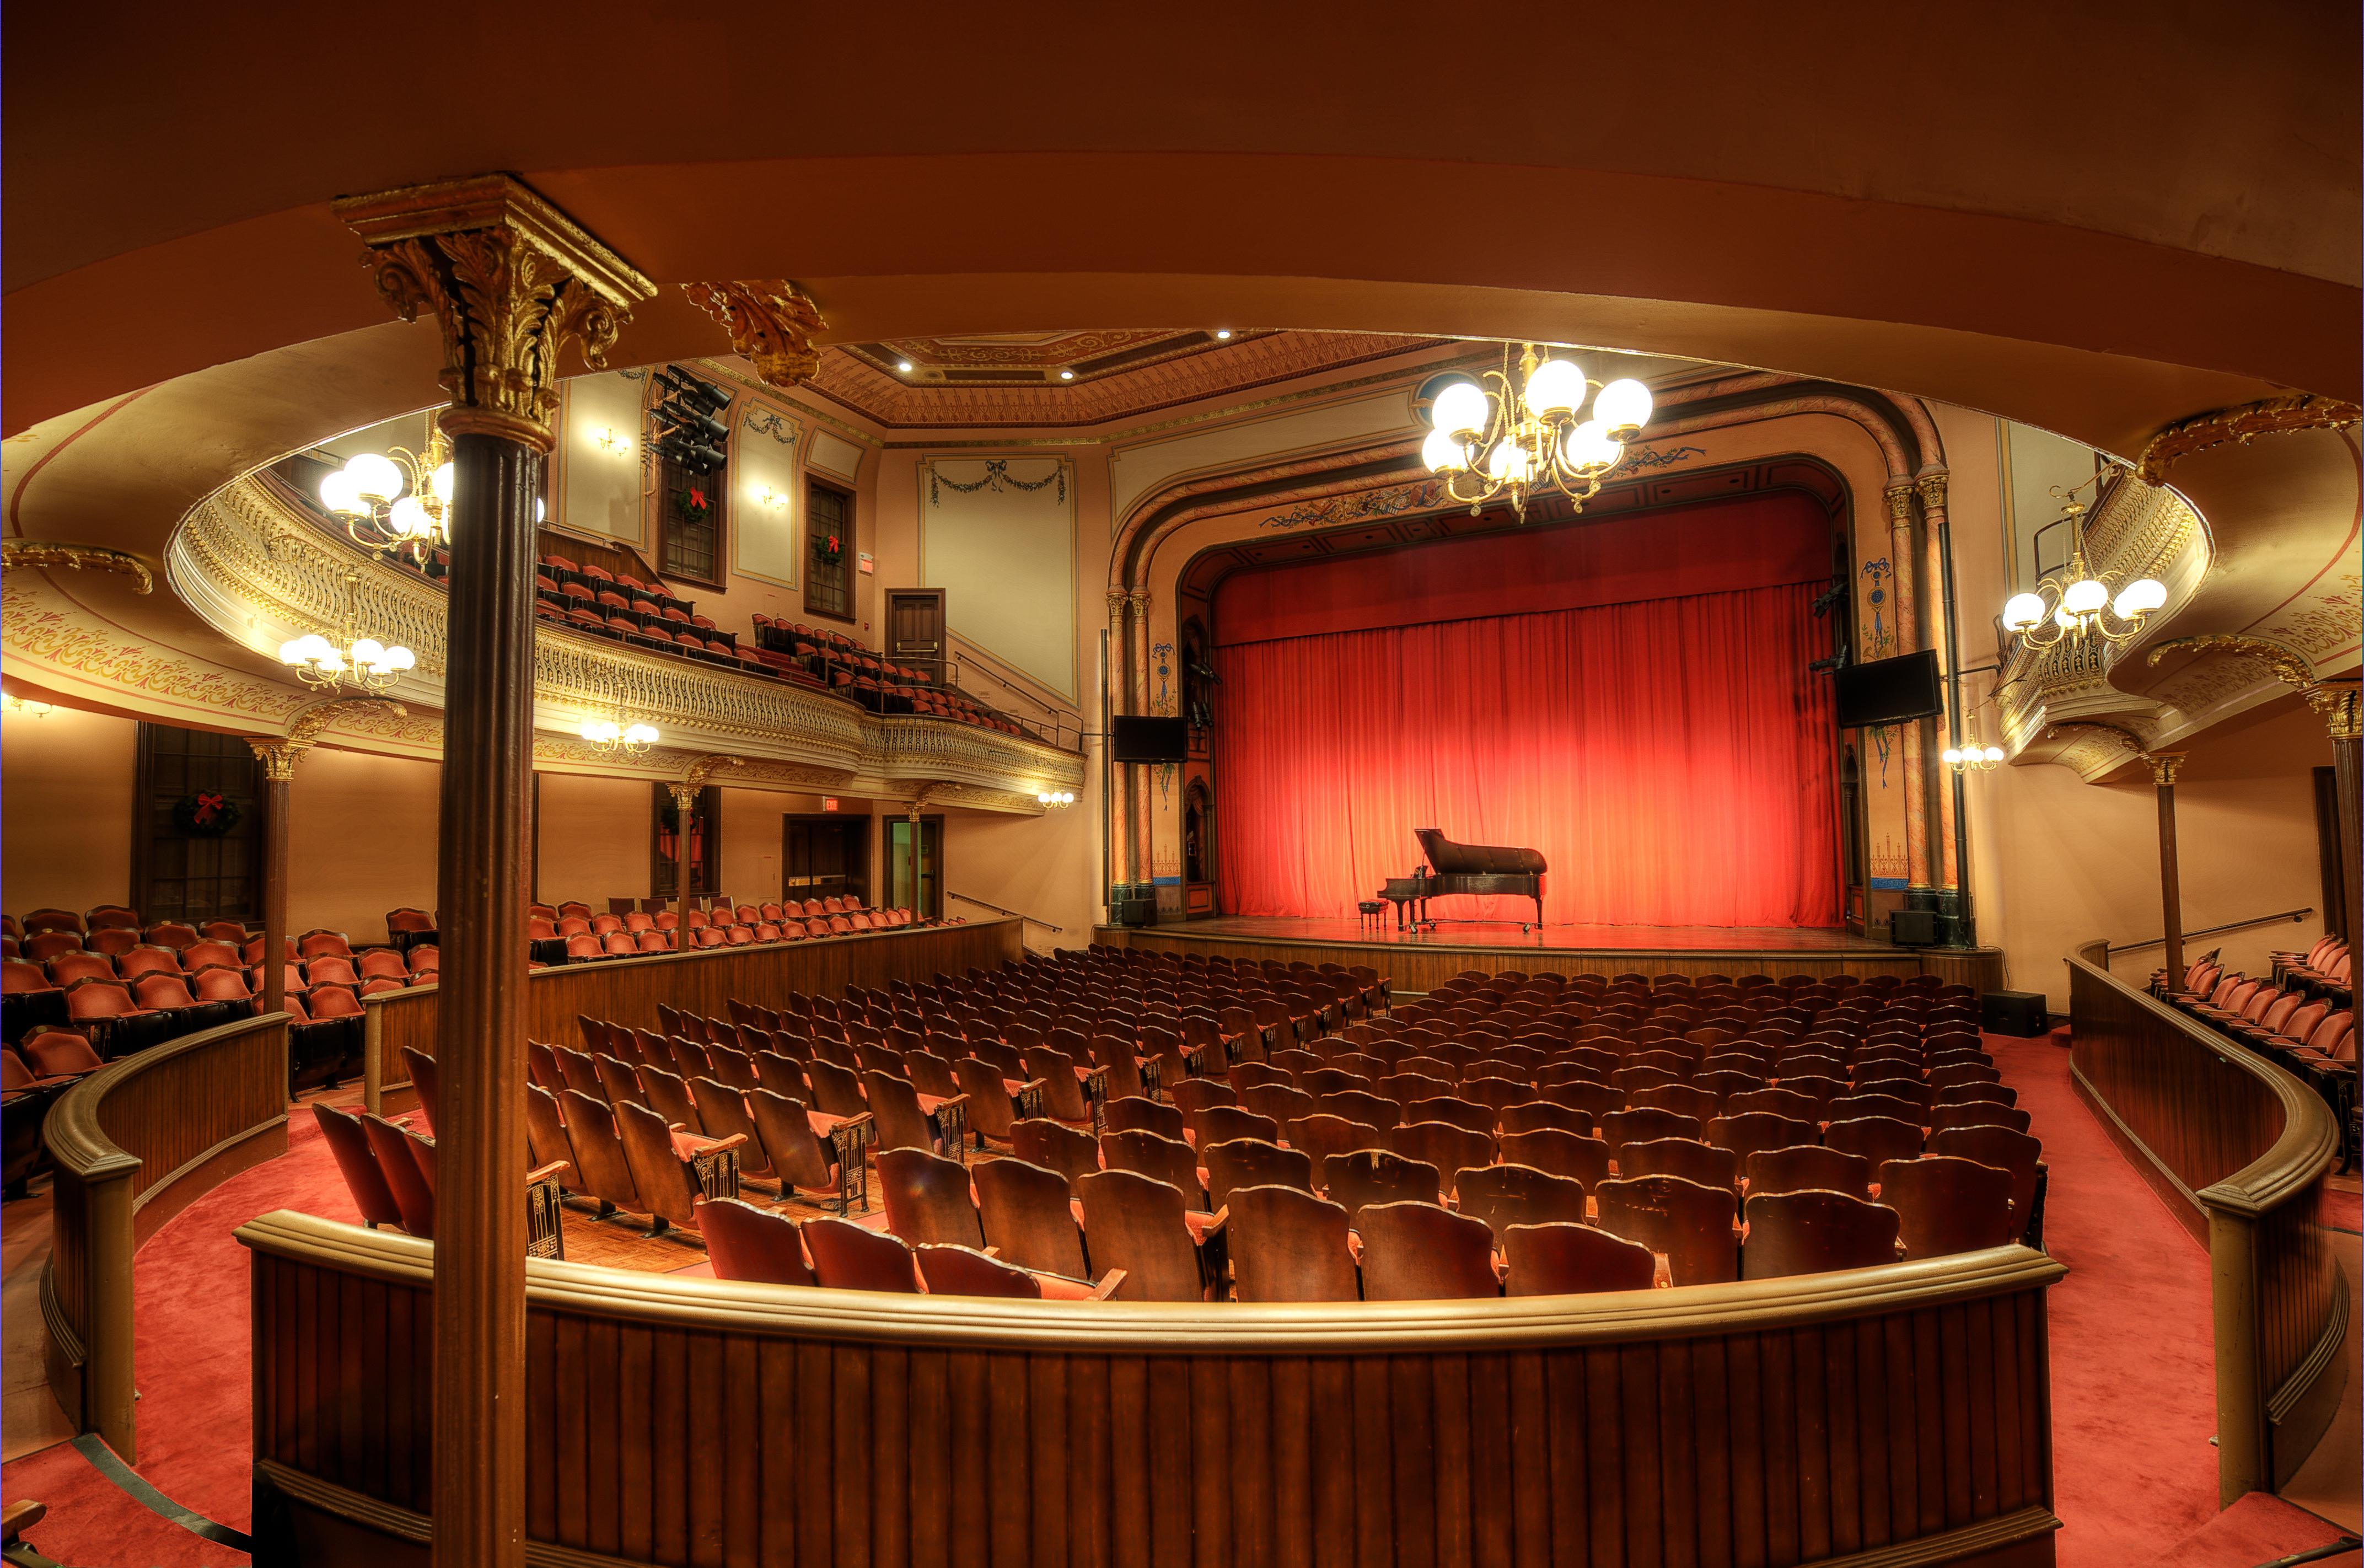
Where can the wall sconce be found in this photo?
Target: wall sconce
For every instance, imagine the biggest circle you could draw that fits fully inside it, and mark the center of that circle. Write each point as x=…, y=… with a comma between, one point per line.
x=611, y=443
x=18, y=704
x=768, y=496
x=1052, y=800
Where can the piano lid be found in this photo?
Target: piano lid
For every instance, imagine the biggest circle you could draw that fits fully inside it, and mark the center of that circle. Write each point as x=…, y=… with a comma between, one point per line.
x=1449, y=859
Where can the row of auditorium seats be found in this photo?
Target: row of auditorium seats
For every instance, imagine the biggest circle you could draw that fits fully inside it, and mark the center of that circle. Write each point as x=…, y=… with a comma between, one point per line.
x=879, y=684
x=1877, y=1125
x=2301, y=1015
x=32, y=1077
x=389, y=1169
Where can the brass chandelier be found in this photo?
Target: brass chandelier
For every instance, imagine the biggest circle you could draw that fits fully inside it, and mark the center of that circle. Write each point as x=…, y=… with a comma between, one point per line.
x=611, y=736
x=403, y=497
x=1520, y=438
x=346, y=660
x=2075, y=603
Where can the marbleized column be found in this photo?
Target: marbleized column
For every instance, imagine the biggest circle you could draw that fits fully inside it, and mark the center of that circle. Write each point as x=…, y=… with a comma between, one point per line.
x=1947, y=869
x=2341, y=704
x=2163, y=765
x=1119, y=826
x=1145, y=858
x=509, y=280
x=685, y=807
x=1920, y=892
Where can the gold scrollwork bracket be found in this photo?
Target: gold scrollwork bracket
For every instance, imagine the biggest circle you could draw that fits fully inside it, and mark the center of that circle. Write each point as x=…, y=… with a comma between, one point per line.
x=19, y=552
x=280, y=756
x=771, y=322
x=510, y=279
x=2337, y=699
x=2239, y=427
x=694, y=778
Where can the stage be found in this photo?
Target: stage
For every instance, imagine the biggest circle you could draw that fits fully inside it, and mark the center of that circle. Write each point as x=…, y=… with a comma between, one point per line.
x=1419, y=961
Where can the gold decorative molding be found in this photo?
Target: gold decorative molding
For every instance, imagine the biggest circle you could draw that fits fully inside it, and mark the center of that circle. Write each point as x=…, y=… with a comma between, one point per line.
x=771, y=322
x=2239, y=427
x=19, y=552
x=510, y=279
x=1932, y=488
x=2338, y=701
x=280, y=756
x=2163, y=765
x=2288, y=665
x=705, y=768
x=1899, y=506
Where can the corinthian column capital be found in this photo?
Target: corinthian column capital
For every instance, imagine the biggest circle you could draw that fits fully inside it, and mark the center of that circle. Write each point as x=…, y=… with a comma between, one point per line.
x=510, y=279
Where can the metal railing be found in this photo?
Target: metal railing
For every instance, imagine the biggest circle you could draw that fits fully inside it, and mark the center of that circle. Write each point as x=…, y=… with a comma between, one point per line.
x=1015, y=914
x=2293, y=915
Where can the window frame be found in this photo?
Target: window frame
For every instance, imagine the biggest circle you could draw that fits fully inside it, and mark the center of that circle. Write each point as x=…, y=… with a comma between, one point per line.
x=850, y=562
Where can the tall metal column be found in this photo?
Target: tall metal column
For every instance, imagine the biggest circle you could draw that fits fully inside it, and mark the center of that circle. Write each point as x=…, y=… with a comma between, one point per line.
x=509, y=280
x=2163, y=765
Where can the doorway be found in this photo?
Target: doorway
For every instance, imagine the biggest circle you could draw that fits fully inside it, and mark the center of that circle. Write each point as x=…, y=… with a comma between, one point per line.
x=825, y=856
x=925, y=896
x=915, y=630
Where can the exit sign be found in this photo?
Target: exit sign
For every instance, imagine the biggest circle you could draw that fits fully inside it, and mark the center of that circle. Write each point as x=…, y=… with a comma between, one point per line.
x=829, y=802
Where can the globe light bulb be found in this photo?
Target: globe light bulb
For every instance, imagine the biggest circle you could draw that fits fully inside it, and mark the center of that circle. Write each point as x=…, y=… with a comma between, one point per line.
x=2023, y=611
x=339, y=495
x=1461, y=409
x=446, y=483
x=2063, y=620
x=1443, y=454
x=1623, y=409
x=1953, y=755
x=291, y=651
x=1994, y=753
x=330, y=660
x=2139, y=598
x=640, y=735
x=1589, y=450
x=409, y=519
x=400, y=659
x=1510, y=464
x=369, y=651
x=2084, y=597
x=1557, y=387
x=537, y=508
x=375, y=478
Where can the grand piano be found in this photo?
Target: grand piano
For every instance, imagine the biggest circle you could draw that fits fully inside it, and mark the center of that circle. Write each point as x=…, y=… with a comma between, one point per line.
x=1466, y=868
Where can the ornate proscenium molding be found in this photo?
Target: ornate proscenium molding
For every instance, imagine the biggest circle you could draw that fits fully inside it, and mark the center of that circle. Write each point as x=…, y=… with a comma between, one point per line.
x=771, y=322
x=510, y=279
x=280, y=756
x=2239, y=427
x=19, y=552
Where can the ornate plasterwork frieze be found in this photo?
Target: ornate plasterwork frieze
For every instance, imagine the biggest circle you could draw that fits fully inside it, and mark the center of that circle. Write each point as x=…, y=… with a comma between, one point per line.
x=260, y=574
x=19, y=552
x=771, y=322
x=2239, y=427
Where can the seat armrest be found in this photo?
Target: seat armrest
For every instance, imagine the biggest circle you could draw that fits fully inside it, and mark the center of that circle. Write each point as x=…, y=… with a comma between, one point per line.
x=1215, y=1225
x=543, y=1174
x=1110, y=1283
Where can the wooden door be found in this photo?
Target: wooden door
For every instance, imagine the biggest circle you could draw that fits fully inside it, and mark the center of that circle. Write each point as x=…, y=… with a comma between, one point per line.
x=825, y=856
x=915, y=629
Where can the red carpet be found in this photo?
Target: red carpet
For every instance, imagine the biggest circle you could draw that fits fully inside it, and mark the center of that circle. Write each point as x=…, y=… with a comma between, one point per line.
x=2259, y=1528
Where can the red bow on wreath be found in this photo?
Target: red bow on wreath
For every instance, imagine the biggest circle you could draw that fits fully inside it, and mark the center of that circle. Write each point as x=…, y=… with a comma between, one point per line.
x=833, y=545
x=207, y=805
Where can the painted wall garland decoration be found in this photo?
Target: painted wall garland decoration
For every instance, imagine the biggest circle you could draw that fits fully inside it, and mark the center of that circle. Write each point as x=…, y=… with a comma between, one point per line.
x=768, y=422
x=996, y=477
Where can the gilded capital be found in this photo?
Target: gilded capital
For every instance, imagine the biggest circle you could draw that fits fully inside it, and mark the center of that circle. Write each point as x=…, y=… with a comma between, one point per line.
x=2162, y=767
x=278, y=757
x=1932, y=487
x=511, y=281
x=1117, y=598
x=771, y=321
x=1899, y=506
x=2337, y=701
x=1139, y=600
x=684, y=795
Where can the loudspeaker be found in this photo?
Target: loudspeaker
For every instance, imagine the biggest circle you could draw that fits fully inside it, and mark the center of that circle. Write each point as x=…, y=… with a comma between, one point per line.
x=1914, y=928
x=2017, y=1013
x=1134, y=904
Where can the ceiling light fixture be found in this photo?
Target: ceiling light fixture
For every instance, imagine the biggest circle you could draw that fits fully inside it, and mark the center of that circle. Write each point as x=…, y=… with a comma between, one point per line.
x=402, y=499
x=351, y=661
x=1971, y=755
x=1052, y=800
x=1527, y=437
x=1222, y=332
x=1067, y=376
x=611, y=736
x=904, y=365
x=2075, y=603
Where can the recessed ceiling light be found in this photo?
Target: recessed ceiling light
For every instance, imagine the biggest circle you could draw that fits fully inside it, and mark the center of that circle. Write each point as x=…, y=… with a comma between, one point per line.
x=1222, y=332
x=1067, y=376
x=905, y=366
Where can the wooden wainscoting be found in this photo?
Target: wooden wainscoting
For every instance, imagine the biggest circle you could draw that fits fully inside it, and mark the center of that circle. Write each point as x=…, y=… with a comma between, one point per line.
x=134, y=1144
x=1901, y=1412
x=2237, y=1148
x=627, y=990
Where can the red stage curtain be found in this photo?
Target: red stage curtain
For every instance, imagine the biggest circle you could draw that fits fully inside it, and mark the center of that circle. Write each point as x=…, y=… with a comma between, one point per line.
x=1671, y=758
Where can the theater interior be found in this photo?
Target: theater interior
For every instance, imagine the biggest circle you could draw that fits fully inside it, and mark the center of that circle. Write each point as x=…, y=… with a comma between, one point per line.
x=1206, y=788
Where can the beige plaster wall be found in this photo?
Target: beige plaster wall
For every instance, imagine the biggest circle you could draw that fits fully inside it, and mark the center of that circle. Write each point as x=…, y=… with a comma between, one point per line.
x=595, y=839
x=66, y=783
x=361, y=841
x=1045, y=866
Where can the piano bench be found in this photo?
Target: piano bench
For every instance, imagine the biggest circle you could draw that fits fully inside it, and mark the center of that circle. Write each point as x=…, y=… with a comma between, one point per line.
x=1370, y=911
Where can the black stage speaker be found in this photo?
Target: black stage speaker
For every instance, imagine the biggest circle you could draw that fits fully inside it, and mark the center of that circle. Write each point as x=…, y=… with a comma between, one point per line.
x=1914, y=928
x=2017, y=1013
x=1140, y=738
x=1134, y=904
x=1888, y=691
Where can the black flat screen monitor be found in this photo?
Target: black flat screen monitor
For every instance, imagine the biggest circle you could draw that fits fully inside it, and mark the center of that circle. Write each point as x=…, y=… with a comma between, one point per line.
x=1888, y=690
x=1138, y=738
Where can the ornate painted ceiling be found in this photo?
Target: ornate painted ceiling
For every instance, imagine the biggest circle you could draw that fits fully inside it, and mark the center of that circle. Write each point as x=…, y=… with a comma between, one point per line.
x=1015, y=378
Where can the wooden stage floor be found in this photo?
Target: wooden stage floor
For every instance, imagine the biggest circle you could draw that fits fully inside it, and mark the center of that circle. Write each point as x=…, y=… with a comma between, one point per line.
x=1415, y=960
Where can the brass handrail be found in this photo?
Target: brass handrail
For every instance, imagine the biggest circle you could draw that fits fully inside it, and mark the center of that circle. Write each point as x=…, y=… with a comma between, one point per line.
x=1014, y=913
x=2293, y=915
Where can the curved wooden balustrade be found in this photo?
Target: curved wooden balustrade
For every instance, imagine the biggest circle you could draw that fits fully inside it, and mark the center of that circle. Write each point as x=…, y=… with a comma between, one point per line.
x=1890, y=1416
x=134, y=1144
x=2239, y=1147
x=627, y=990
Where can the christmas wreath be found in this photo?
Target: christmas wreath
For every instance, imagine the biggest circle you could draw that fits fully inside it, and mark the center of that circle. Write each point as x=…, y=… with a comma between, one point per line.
x=694, y=505
x=828, y=550
x=205, y=815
